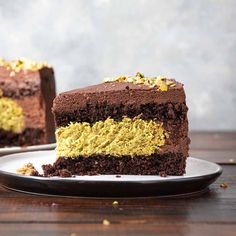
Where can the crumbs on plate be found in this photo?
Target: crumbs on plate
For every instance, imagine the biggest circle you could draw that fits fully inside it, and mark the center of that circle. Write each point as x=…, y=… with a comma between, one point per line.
x=27, y=169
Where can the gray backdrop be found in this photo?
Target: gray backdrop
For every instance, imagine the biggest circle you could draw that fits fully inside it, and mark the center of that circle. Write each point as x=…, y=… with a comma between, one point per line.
x=192, y=41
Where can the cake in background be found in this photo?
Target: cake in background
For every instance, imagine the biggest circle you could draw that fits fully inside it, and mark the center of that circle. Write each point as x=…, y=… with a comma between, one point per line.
x=27, y=90
x=127, y=125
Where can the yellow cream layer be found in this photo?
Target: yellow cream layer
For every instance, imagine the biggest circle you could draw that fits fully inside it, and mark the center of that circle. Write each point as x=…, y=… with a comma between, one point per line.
x=133, y=137
x=11, y=115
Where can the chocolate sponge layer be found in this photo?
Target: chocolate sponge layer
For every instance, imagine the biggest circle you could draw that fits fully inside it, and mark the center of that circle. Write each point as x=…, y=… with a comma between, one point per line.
x=156, y=164
x=168, y=112
x=28, y=137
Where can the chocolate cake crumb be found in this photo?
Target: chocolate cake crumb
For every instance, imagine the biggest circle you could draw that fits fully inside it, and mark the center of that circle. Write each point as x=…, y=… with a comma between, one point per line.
x=162, y=174
x=48, y=170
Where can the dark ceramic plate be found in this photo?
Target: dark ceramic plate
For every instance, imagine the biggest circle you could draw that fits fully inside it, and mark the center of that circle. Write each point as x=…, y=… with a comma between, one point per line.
x=199, y=175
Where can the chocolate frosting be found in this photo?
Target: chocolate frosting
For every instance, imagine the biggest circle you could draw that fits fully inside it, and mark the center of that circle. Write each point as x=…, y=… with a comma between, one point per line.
x=23, y=83
x=117, y=93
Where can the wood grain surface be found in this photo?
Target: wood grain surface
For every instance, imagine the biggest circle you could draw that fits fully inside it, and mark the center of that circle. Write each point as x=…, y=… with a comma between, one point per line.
x=210, y=213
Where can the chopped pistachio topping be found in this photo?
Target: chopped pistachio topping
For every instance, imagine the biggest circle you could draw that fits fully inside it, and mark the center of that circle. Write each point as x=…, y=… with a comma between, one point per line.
x=161, y=82
x=22, y=64
x=11, y=115
x=115, y=203
x=133, y=137
x=27, y=169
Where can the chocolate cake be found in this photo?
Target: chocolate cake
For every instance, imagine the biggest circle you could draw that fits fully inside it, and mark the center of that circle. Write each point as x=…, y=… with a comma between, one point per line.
x=127, y=125
x=27, y=90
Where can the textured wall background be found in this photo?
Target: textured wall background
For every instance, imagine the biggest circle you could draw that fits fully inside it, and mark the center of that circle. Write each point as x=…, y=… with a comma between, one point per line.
x=193, y=41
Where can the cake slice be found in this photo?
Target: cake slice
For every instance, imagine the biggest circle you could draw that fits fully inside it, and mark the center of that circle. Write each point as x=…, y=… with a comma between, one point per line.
x=27, y=90
x=127, y=125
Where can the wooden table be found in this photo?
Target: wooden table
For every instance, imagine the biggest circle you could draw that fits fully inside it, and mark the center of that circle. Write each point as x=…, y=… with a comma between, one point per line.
x=212, y=213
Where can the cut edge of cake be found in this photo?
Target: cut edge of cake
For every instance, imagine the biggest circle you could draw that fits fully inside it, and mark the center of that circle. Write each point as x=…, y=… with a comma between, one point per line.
x=126, y=125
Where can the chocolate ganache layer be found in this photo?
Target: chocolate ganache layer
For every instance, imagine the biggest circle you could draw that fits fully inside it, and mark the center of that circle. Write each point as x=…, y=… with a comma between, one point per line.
x=165, y=112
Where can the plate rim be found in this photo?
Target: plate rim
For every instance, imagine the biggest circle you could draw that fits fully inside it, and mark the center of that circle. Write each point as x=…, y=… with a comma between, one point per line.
x=217, y=172
x=5, y=151
x=107, y=187
x=194, y=193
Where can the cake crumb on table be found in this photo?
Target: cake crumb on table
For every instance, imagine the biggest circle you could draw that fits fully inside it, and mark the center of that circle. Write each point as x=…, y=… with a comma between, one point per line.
x=54, y=204
x=106, y=222
x=115, y=203
x=224, y=185
x=73, y=234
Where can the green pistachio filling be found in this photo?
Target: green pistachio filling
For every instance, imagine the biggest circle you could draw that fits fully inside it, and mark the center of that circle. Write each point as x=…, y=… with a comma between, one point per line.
x=11, y=115
x=133, y=137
